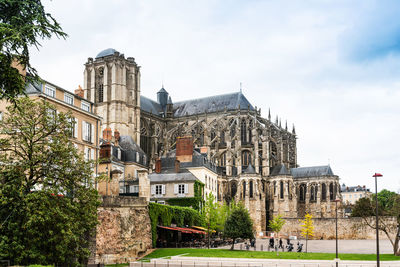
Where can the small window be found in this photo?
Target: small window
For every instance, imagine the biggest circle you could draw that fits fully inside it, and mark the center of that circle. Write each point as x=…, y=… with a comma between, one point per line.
x=85, y=106
x=181, y=189
x=159, y=189
x=50, y=90
x=68, y=98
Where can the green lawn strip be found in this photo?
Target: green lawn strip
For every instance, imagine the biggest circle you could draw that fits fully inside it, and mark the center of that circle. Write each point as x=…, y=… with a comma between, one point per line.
x=225, y=253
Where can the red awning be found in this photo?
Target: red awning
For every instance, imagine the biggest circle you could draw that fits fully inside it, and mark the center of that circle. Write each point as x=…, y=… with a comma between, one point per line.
x=182, y=229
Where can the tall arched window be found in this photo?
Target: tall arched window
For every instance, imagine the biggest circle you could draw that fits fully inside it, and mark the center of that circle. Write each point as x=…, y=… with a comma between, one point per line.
x=246, y=158
x=244, y=189
x=323, y=192
x=233, y=189
x=288, y=190
x=331, y=196
x=212, y=135
x=222, y=138
x=303, y=190
x=243, y=132
x=100, y=93
x=313, y=193
x=251, y=188
x=281, y=189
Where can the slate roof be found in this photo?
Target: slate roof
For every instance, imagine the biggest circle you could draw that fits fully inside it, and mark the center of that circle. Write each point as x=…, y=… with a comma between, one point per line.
x=106, y=52
x=280, y=170
x=312, y=171
x=150, y=106
x=249, y=169
x=126, y=143
x=171, y=177
x=211, y=104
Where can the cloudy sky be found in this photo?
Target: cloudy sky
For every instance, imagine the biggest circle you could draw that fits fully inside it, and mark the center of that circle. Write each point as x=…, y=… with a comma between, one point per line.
x=331, y=68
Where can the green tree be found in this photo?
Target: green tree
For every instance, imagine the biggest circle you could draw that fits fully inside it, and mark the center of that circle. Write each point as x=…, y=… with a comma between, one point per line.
x=22, y=25
x=211, y=215
x=388, y=205
x=48, y=205
x=307, y=227
x=276, y=224
x=239, y=224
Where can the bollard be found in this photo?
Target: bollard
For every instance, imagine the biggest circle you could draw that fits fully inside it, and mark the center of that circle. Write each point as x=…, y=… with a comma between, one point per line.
x=240, y=246
x=262, y=247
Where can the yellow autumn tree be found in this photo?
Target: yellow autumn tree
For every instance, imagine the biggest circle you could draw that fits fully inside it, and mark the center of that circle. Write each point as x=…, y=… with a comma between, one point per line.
x=307, y=227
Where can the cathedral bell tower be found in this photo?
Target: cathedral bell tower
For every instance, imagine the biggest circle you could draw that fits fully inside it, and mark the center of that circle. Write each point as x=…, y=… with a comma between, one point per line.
x=112, y=82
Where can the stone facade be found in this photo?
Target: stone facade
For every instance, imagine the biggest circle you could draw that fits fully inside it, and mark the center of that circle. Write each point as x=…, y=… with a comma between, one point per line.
x=256, y=156
x=348, y=228
x=124, y=231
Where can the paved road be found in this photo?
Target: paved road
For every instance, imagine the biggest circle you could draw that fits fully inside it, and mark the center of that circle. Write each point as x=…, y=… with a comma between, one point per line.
x=328, y=246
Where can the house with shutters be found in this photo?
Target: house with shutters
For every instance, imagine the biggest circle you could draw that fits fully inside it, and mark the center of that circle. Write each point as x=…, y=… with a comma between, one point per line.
x=183, y=173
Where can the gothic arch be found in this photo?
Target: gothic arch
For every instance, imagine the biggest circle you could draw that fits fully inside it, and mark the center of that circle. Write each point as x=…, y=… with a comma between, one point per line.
x=302, y=192
x=246, y=158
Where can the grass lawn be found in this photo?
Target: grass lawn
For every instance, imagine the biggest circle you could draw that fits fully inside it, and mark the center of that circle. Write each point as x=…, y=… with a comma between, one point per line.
x=225, y=253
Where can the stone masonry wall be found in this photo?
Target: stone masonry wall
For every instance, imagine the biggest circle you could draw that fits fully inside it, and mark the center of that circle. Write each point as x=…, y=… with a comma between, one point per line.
x=124, y=230
x=348, y=228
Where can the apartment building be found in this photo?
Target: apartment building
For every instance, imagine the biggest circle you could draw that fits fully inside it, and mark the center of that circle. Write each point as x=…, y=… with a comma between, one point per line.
x=86, y=122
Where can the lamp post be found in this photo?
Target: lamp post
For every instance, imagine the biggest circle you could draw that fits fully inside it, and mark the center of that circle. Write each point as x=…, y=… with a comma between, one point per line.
x=376, y=217
x=337, y=256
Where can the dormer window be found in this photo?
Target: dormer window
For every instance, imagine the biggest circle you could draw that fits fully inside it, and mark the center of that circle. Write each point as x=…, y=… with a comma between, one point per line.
x=85, y=106
x=50, y=90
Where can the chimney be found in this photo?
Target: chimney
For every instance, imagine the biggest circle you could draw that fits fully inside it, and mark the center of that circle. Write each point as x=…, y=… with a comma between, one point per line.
x=184, y=149
x=79, y=91
x=107, y=134
x=177, y=165
x=116, y=135
x=158, y=166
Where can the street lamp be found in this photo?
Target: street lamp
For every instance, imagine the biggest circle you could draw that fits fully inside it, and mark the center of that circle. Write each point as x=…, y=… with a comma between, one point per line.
x=376, y=215
x=337, y=256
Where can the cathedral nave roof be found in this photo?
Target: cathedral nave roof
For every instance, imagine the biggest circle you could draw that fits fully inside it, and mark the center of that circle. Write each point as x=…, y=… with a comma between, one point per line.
x=211, y=104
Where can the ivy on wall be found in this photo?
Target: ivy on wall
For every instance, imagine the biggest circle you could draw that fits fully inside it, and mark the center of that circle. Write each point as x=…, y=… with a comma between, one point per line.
x=196, y=202
x=165, y=215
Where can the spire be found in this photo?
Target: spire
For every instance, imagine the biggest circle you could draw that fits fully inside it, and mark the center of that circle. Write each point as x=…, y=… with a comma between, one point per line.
x=293, y=130
x=269, y=114
x=286, y=125
x=280, y=124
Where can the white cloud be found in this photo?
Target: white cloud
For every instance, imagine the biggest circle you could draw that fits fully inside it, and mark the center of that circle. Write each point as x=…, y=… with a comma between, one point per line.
x=295, y=58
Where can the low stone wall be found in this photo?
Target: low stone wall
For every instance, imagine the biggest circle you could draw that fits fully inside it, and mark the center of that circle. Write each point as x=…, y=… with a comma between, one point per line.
x=124, y=230
x=348, y=228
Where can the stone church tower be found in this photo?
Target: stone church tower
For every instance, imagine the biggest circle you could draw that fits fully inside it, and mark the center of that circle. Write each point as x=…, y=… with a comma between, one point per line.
x=113, y=84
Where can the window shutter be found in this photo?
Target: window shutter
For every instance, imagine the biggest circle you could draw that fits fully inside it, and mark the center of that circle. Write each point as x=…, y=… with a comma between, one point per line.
x=83, y=130
x=91, y=133
x=76, y=128
x=92, y=154
x=163, y=189
x=153, y=189
x=186, y=188
x=175, y=189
